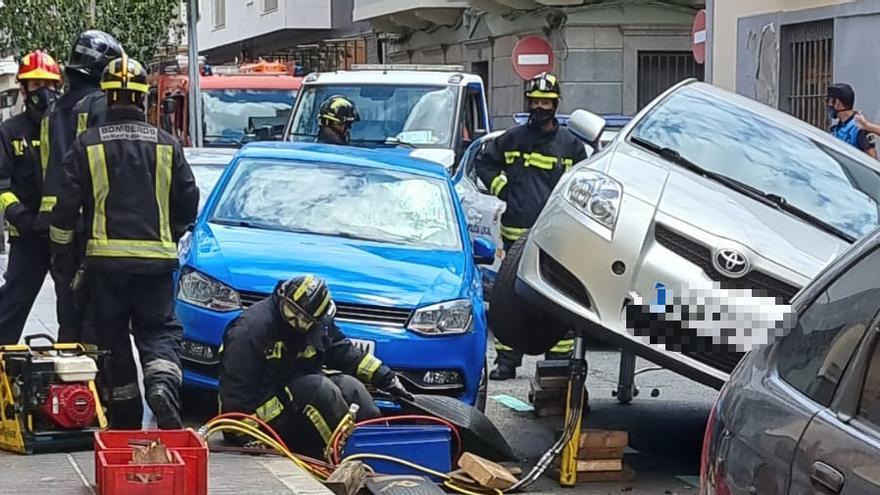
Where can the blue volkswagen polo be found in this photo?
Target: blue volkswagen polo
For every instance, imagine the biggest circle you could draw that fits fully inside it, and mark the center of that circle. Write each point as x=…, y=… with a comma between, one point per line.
x=386, y=231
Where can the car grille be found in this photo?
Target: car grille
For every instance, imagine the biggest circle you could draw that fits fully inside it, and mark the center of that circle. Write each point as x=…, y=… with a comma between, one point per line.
x=356, y=313
x=701, y=256
x=563, y=280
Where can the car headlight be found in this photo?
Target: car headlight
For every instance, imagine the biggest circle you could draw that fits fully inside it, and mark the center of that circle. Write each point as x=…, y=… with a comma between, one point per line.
x=201, y=290
x=448, y=318
x=596, y=195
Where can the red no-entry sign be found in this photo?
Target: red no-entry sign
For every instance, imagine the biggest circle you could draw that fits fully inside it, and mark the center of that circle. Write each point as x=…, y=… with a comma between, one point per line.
x=532, y=55
x=698, y=37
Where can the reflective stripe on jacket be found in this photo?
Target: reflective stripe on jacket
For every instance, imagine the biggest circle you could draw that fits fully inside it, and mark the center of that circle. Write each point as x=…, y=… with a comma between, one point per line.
x=21, y=179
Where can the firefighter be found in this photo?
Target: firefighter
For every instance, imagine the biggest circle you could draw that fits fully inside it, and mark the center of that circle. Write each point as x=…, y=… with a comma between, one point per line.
x=335, y=118
x=60, y=125
x=21, y=182
x=273, y=363
x=521, y=167
x=138, y=197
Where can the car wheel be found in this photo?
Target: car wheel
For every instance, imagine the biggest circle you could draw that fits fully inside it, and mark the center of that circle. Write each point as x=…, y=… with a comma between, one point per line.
x=483, y=391
x=515, y=322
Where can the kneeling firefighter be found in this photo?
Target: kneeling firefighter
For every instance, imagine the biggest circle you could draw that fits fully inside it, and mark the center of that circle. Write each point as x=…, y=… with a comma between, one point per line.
x=521, y=167
x=276, y=360
x=335, y=118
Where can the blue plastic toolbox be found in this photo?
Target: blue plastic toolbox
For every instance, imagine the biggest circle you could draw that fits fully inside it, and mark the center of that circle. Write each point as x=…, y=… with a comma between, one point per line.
x=429, y=446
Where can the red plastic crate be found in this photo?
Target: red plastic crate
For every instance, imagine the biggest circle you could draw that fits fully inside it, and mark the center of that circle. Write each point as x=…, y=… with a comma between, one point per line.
x=116, y=476
x=191, y=448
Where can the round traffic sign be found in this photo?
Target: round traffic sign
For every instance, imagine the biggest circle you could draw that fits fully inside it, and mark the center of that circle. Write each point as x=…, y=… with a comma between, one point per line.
x=698, y=37
x=532, y=55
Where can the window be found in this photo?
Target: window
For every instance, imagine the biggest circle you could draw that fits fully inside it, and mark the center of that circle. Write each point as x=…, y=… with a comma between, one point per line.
x=814, y=356
x=808, y=64
x=270, y=6
x=219, y=13
x=659, y=71
x=869, y=404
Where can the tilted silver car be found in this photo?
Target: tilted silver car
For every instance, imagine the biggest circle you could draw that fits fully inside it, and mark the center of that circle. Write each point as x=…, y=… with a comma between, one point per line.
x=703, y=185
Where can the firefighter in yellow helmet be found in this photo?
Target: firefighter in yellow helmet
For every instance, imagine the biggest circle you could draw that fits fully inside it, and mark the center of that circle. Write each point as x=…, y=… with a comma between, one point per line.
x=138, y=197
x=521, y=167
x=335, y=118
x=21, y=182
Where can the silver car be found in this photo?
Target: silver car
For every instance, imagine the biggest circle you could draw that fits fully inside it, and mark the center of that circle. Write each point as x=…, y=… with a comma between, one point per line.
x=703, y=185
x=208, y=165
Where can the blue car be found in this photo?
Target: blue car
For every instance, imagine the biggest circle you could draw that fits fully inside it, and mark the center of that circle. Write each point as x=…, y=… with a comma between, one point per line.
x=385, y=230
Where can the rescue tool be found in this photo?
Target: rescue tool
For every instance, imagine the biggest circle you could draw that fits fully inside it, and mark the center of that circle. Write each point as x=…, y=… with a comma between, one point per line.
x=51, y=396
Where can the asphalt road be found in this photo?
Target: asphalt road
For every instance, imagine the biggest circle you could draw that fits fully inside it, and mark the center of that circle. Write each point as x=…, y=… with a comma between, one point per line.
x=665, y=432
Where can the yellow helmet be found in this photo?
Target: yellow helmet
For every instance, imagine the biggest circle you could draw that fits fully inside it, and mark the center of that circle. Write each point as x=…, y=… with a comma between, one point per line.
x=544, y=85
x=125, y=74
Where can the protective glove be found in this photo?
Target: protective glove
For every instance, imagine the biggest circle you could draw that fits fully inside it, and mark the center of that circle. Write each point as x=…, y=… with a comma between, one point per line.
x=396, y=389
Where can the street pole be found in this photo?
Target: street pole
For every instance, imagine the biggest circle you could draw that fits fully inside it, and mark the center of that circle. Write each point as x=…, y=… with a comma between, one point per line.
x=93, y=13
x=195, y=93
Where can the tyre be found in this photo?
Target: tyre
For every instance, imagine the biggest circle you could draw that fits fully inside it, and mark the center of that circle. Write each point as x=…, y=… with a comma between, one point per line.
x=483, y=391
x=515, y=322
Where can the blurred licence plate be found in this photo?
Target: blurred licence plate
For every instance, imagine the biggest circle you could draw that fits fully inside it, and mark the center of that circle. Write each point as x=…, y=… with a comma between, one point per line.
x=367, y=346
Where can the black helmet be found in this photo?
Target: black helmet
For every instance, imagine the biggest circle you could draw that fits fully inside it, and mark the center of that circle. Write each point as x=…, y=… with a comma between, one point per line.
x=124, y=75
x=91, y=52
x=843, y=92
x=303, y=301
x=544, y=85
x=338, y=109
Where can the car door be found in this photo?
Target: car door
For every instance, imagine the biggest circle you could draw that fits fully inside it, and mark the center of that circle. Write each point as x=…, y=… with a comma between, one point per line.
x=839, y=449
x=839, y=452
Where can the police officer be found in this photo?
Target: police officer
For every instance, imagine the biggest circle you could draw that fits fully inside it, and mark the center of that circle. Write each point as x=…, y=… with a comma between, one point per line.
x=839, y=100
x=335, y=118
x=521, y=167
x=138, y=197
x=21, y=182
x=62, y=122
x=273, y=363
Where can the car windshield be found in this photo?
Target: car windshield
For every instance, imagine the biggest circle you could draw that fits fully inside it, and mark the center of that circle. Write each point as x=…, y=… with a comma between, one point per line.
x=420, y=116
x=231, y=114
x=726, y=139
x=340, y=200
x=206, y=176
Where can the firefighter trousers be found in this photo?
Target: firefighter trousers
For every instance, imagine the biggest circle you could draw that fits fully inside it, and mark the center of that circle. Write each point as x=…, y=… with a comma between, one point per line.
x=124, y=305
x=319, y=403
x=511, y=358
x=29, y=260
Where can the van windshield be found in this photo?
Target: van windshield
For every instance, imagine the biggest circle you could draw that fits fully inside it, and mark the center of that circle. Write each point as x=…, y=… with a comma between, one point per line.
x=419, y=116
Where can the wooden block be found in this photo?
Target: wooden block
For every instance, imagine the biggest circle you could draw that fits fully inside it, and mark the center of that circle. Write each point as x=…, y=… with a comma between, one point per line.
x=460, y=476
x=589, y=466
x=544, y=412
x=486, y=473
x=348, y=479
x=553, y=382
x=541, y=393
x=601, y=453
x=604, y=439
x=626, y=475
x=552, y=368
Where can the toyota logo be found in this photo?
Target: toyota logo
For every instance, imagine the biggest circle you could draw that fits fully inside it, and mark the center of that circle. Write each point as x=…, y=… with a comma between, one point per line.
x=731, y=263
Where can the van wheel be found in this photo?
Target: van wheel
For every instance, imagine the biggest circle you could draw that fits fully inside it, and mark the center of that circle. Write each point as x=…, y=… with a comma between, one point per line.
x=515, y=322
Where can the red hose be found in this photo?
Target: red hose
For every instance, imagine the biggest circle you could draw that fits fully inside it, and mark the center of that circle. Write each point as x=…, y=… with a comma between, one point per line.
x=410, y=417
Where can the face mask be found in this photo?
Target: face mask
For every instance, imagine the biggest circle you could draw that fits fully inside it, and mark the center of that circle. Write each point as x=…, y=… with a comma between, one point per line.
x=539, y=116
x=832, y=113
x=41, y=98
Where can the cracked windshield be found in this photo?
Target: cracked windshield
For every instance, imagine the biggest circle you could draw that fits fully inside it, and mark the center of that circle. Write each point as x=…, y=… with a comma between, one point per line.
x=232, y=114
x=355, y=202
x=419, y=116
x=726, y=139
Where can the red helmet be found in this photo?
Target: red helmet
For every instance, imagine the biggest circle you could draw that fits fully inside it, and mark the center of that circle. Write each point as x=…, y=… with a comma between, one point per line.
x=39, y=65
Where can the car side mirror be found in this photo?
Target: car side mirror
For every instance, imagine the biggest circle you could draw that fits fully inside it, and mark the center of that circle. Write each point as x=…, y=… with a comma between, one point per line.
x=587, y=127
x=484, y=251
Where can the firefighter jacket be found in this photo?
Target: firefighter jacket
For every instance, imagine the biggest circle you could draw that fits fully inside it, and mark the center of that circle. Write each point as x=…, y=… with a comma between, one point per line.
x=21, y=173
x=521, y=167
x=137, y=193
x=262, y=354
x=59, y=127
x=91, y=111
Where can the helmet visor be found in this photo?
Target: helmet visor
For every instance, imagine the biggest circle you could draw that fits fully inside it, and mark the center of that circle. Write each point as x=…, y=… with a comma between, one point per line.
x=298, y=318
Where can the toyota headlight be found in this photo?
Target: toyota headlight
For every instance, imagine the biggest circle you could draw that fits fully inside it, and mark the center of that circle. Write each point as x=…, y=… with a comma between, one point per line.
x=448, y=318
x=201, y=290
x=596, y=195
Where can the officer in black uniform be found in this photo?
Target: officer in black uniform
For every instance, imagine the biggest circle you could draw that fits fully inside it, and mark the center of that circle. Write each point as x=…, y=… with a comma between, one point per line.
x=273, y=363
x=61, y=124
x=335, y=118
x=521, y=167
x=21, y=181
x=138, y=197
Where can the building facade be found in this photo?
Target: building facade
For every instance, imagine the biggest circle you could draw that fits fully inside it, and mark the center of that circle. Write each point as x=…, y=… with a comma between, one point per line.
x=613, y=57
x=785, y=53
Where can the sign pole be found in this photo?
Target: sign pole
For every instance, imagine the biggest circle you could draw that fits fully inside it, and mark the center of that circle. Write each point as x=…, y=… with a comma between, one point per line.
x=195, y=93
